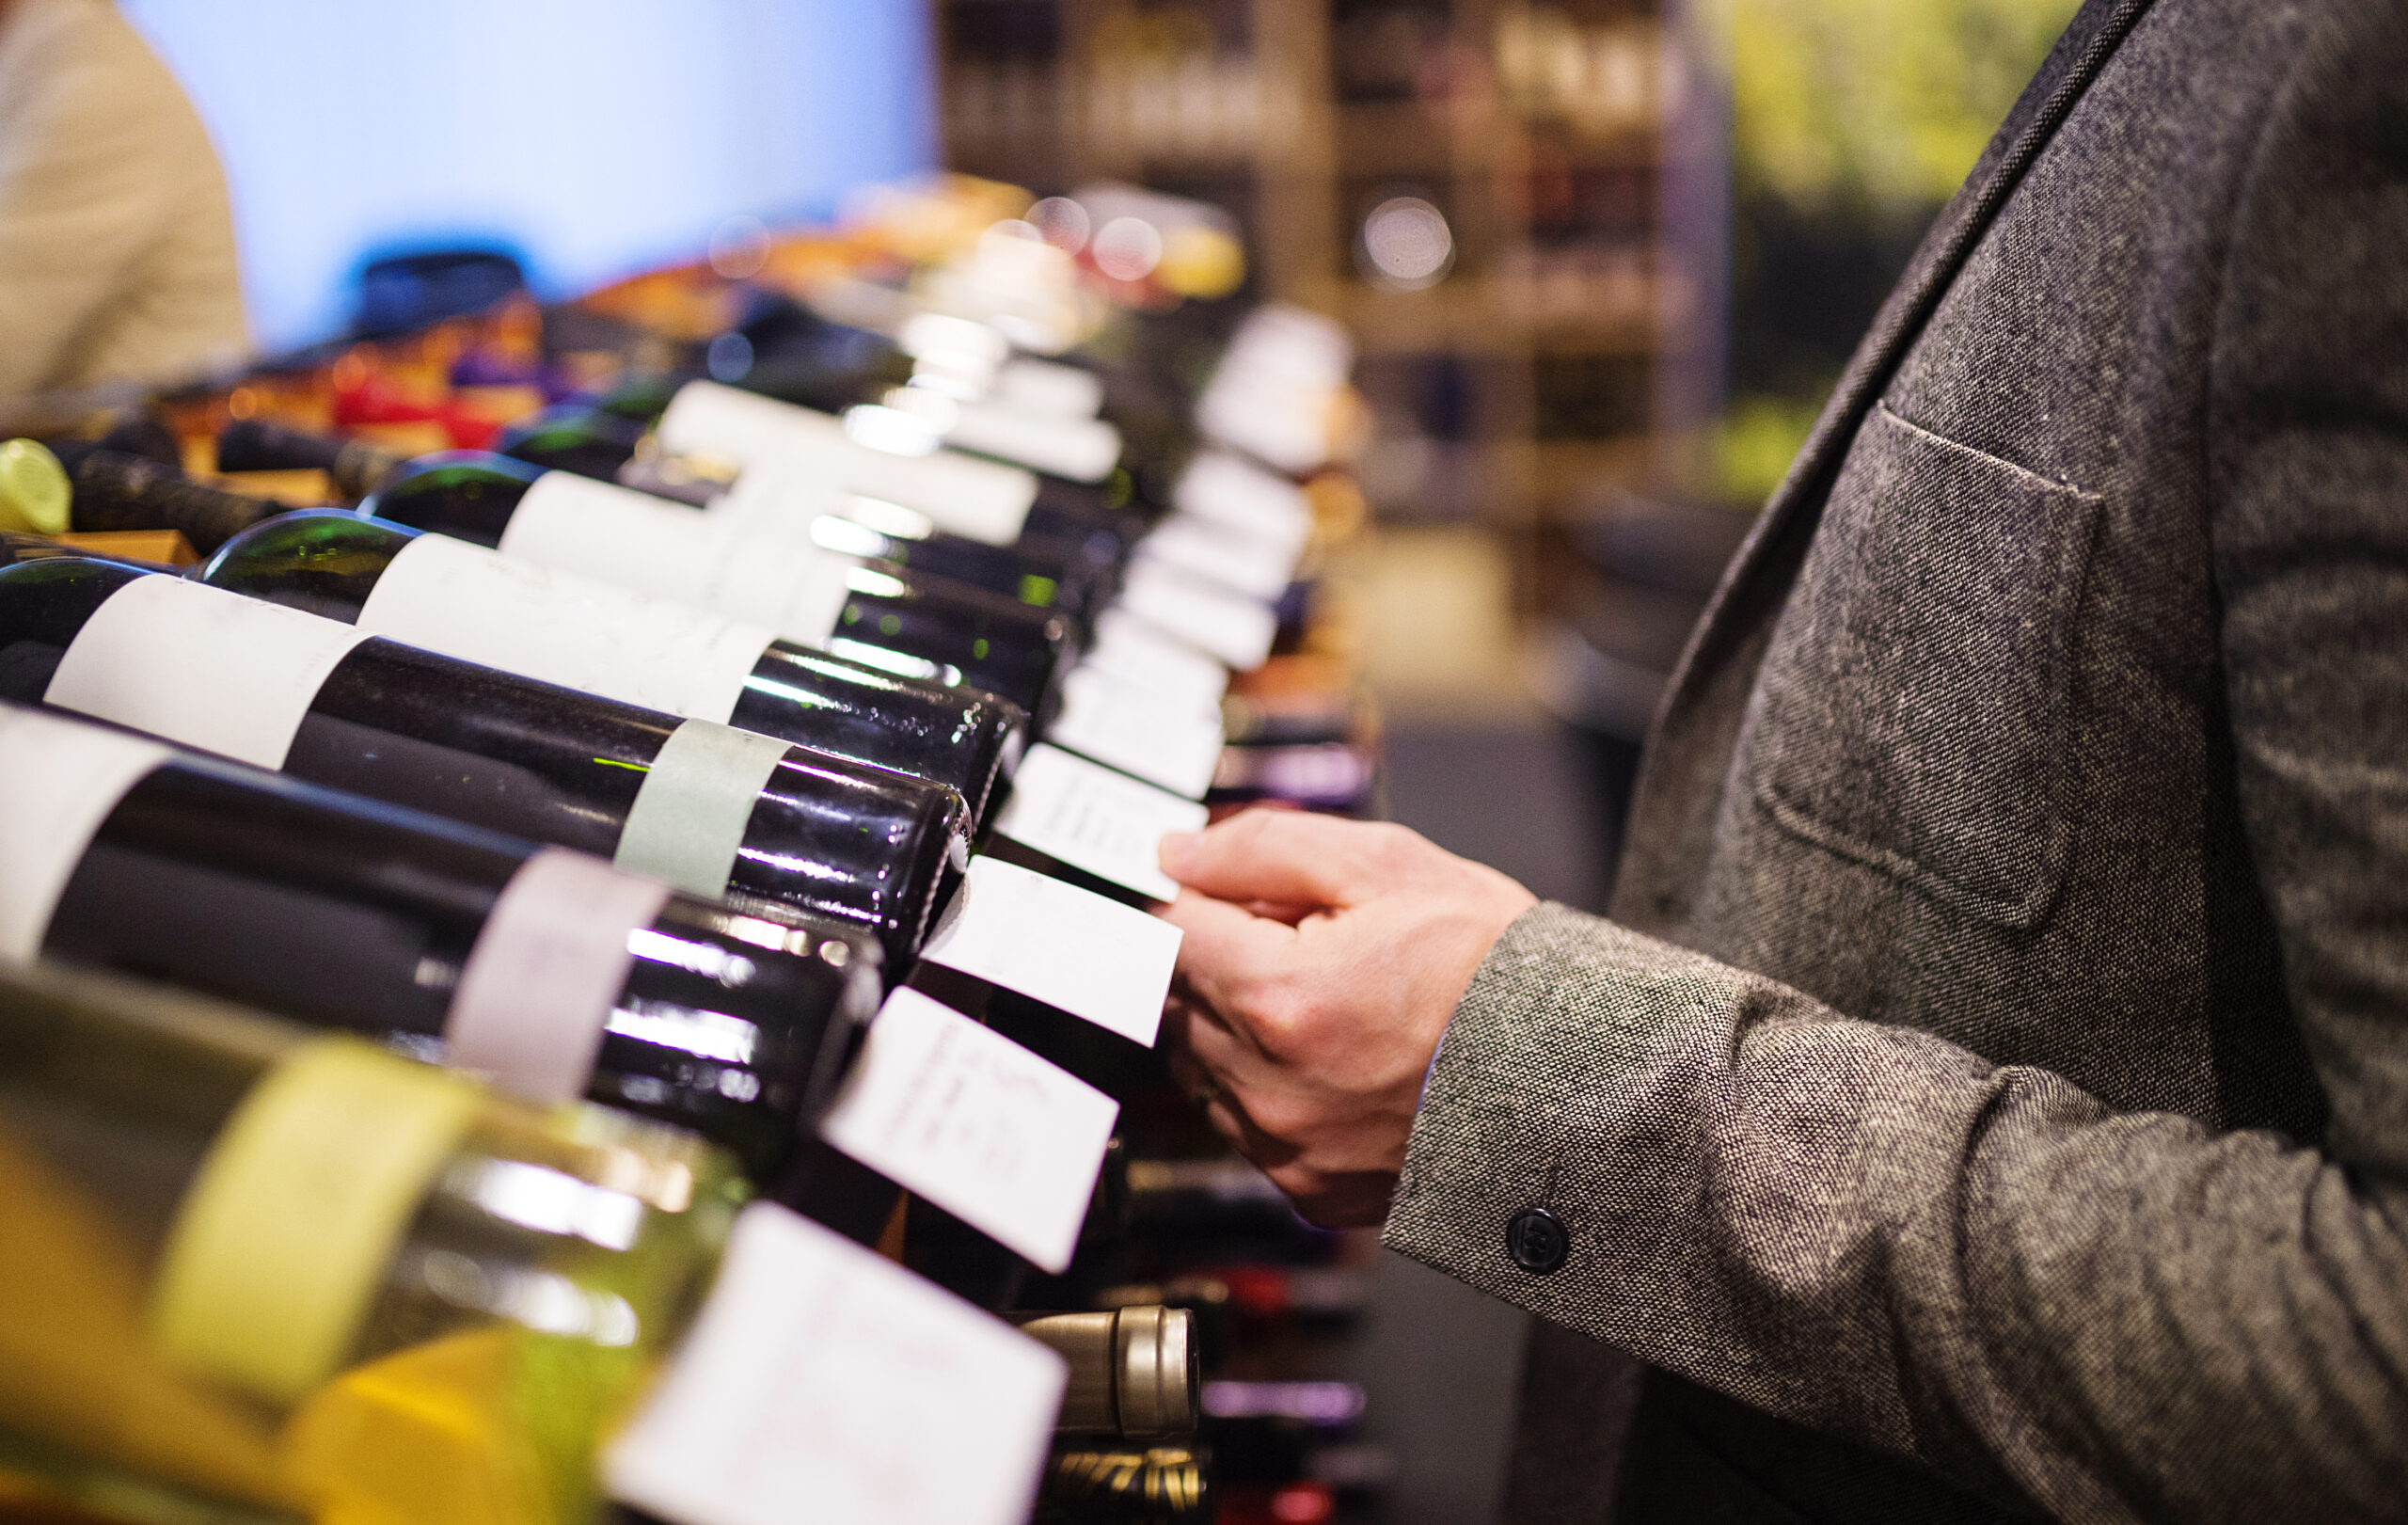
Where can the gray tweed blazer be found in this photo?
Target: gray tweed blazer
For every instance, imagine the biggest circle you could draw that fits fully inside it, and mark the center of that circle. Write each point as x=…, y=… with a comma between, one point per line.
x=1990, y=1099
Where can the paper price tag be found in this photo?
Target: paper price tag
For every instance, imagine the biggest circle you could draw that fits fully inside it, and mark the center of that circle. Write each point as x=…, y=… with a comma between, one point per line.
x=975, y=1123
x=1094, y=819
x=1212, y=619
x=1120, y=722
x=815, y=1385
x=1091, y=957
x=1175, y=673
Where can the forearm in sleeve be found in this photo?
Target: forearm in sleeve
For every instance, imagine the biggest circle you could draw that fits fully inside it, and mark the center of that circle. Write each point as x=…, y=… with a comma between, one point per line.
x=1871, y=1231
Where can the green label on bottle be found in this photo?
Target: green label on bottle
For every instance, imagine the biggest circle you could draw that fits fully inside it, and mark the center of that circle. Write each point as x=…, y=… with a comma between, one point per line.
x=279, y=1245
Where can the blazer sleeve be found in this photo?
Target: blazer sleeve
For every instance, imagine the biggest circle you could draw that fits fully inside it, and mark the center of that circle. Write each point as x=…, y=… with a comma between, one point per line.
x=1870, y=1231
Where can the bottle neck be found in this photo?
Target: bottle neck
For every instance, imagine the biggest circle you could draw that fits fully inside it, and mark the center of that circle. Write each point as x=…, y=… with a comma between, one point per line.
x=325, y=562
x=117, y=491
x=467, y=495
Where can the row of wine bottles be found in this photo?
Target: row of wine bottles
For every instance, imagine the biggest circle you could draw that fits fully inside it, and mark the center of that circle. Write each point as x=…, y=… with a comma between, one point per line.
x=717, y=808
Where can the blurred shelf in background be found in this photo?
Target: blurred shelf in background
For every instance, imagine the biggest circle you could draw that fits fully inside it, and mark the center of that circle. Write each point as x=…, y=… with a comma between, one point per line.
x=1515, y=208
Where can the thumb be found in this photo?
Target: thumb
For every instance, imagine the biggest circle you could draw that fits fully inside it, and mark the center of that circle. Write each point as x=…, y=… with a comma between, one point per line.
x=1281, y=857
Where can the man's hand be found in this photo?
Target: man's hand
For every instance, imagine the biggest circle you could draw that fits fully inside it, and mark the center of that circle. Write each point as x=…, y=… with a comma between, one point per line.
x=1321, y=960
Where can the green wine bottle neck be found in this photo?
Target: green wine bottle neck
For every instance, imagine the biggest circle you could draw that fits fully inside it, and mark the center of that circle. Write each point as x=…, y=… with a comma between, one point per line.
x=322, y=561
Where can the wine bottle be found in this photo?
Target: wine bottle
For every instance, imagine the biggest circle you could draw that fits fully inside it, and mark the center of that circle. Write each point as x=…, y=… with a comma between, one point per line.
x=353, y=464
x=770, y=574
x=255, y=1272
x=573, y=437
x=894, y=456
x=1134, y=1372
x=1045, y=572
x=554, y=972
x=1049, y=570
x=259, y=1275
x=115, y=490
x=464, y=601
x=715, y=812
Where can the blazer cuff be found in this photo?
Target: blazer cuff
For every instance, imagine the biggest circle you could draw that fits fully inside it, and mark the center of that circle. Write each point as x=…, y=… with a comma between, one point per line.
x=1550, y=1081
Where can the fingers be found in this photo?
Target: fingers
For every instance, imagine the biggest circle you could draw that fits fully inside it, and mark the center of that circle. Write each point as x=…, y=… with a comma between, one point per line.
x=1225, y=950
x=1286, y=857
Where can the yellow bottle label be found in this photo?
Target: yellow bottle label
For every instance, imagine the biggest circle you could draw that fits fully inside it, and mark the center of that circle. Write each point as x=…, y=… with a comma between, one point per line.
x=285, y=1234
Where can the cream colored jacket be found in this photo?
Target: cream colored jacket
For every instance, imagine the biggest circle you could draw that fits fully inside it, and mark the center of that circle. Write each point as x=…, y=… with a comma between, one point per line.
x=116, y=247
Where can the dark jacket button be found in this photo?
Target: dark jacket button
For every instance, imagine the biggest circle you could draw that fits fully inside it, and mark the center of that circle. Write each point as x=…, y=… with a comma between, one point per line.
x=1538, y=1241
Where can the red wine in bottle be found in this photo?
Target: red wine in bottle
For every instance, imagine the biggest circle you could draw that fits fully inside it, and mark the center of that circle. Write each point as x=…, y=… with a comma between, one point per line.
x=464, y=601
x=714, y=811
x=547, y=969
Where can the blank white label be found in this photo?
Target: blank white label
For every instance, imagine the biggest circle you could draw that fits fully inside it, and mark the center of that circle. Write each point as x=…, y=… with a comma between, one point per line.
x=975, y=1123
x=1046, y=386
x=764, y=570
x=1093, y=818
x=1082, y=449
x=202, y=666
x=1174, y=672
x=1118, y=721
x=1218, y=554
x=1228, y=625
x=545, y=972
x=821, y=1383
x=481, y=606
x=1227, y=490
x=60, y=779
x=1272, y=393
x=983, y=500
x=1088, y=956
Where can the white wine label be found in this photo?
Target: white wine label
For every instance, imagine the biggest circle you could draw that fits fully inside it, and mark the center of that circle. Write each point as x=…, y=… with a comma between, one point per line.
x=764, y=569
x=1274, y=390
x=1174, y=672
x=1046, y=386
x=1082, y=953
x=1093, y=818
x=1206, y=550
x=1230, y=491
x=545, y=972
x=982, y=500
x=1082, y=449
x=1237, y=629
x=202, y=666
x=975, y=1123
x=60, y=779
x=687, y=823
x=481, y=606
x=822, y=1383
x=1121, y=723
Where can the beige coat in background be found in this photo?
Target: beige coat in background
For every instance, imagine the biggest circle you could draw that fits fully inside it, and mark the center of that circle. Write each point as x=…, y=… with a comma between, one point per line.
x=116, y=248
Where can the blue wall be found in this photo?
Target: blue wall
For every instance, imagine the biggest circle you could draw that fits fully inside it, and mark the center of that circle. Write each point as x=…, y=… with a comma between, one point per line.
x=592, y=136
